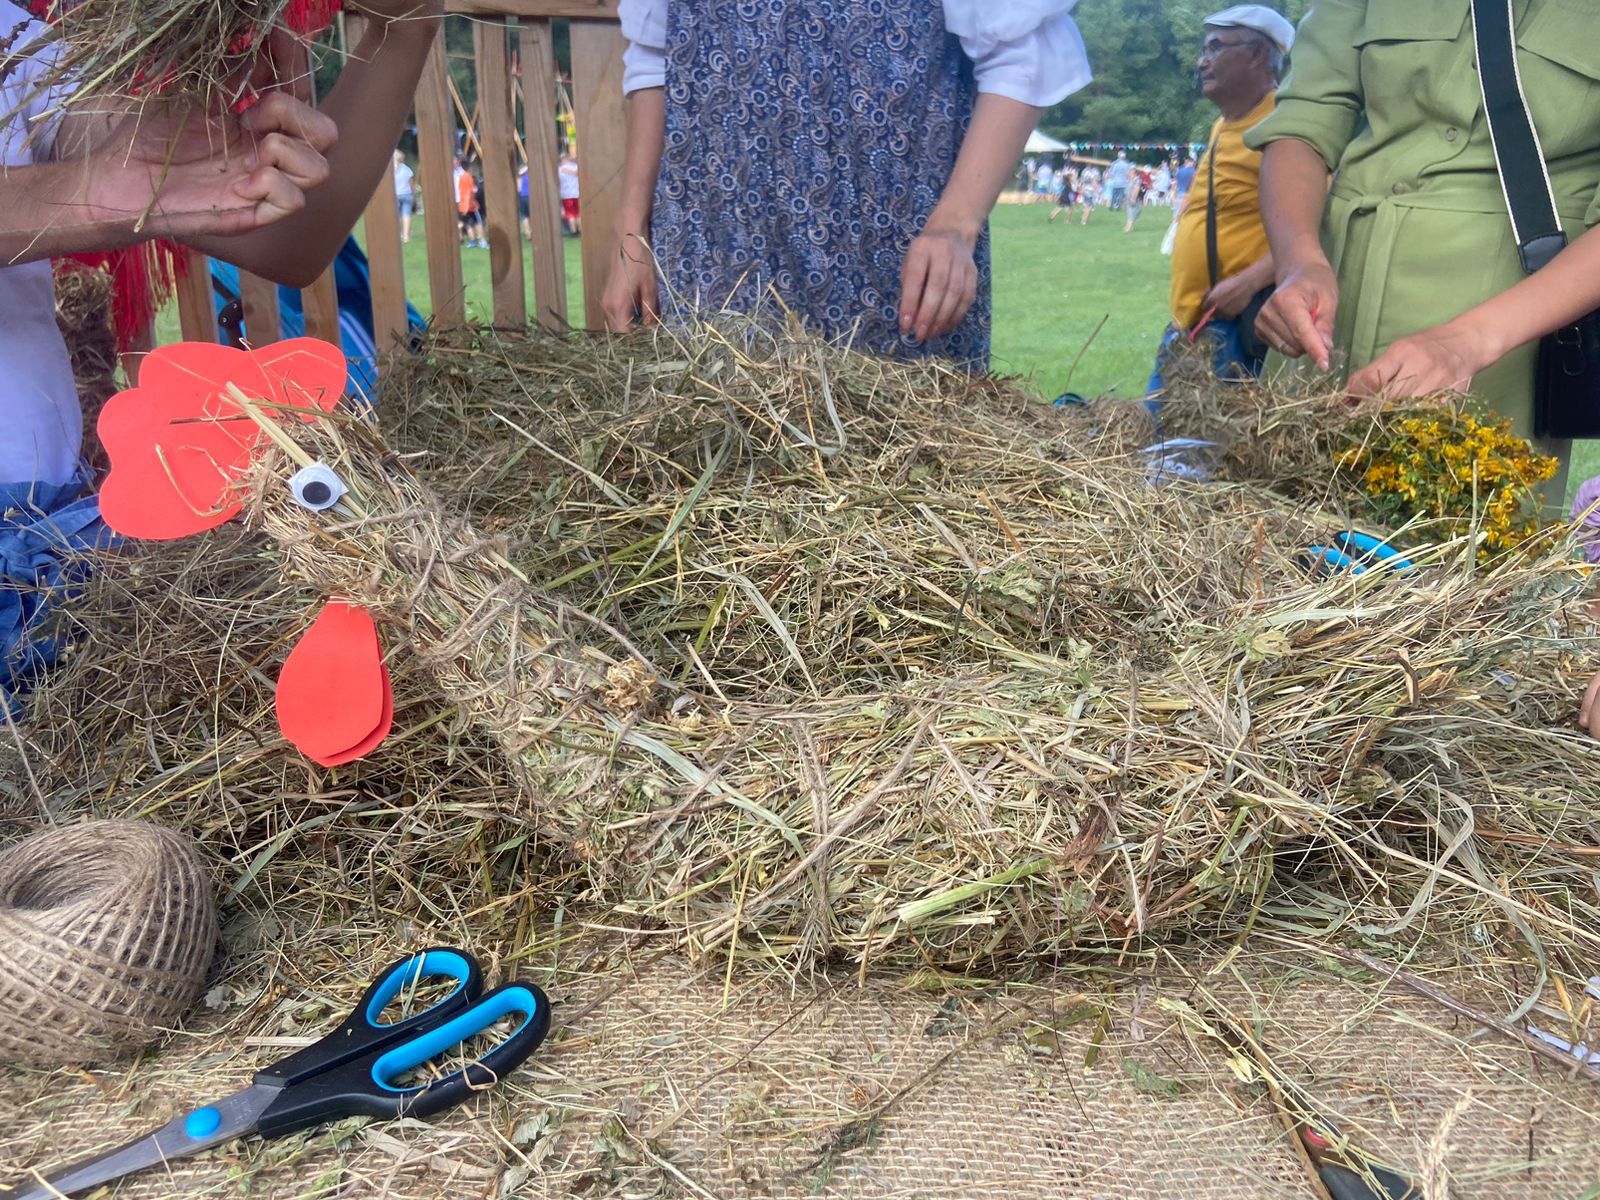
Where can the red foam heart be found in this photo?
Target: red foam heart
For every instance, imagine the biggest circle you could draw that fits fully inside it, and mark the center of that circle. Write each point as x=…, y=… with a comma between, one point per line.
x=178, y=444
x=334, y=700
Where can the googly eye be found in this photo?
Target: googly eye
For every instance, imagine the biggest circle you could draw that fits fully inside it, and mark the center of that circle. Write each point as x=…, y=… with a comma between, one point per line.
x=317, y=487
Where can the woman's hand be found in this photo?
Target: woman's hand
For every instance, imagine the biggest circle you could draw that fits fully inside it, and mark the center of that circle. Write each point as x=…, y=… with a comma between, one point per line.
x=1298, y=319
x=938, y=281
x=631, y=294
x=1441, y=359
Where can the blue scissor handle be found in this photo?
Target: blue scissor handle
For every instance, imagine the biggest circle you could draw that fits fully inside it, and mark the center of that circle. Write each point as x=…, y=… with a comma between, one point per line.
x=1355, y=552
x=1375, y=550
x=364, y=1031
x=366, y=1086
x=1319, y=560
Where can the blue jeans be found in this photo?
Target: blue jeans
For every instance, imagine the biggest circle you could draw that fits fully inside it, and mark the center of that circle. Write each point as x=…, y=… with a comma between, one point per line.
x=44, y=531
x=1230, y=360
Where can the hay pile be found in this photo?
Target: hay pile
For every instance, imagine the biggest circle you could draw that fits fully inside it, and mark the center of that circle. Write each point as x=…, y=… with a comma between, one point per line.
x=830, y=659
x=121, y=50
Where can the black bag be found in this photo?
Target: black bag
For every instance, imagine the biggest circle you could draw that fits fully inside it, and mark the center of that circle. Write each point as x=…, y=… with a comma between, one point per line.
x=1251, y=342
x=1566, y=389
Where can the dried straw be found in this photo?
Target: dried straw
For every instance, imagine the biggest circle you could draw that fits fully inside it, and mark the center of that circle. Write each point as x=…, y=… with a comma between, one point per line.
x=848, y=660
x=107, y=930
x=117, y=52
x=83, y=314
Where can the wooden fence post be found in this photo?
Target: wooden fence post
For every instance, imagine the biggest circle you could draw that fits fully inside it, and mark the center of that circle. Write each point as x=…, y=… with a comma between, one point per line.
x=436, y=142
x=544, y=203
x=496, y=119
x=602, y=143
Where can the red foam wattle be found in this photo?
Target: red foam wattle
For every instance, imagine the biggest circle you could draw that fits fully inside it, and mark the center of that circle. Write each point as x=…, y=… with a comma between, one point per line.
x=334, y=700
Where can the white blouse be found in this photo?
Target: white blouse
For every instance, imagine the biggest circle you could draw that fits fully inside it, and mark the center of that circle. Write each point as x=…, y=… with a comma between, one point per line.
x=1028, y=50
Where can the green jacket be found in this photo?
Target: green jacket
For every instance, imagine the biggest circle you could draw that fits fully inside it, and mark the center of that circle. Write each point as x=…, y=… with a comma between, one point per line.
x=1416, y=227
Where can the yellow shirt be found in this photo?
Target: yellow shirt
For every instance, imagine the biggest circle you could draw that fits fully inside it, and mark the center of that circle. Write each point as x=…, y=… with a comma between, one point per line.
x=1241, y=238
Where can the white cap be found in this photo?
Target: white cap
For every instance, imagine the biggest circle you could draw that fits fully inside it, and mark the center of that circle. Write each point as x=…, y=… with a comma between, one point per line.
x=1273, y=26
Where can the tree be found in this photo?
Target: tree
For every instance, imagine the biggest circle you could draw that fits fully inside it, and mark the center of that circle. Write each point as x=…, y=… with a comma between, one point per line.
x=1143, y=53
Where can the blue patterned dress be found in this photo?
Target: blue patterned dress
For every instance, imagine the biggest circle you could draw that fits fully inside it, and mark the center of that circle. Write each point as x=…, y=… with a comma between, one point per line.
x=807, y=141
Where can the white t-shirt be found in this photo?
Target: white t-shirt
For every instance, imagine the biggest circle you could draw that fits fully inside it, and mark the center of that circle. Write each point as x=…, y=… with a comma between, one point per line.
x=403, y=176
x=567, y=180
x=41, y=425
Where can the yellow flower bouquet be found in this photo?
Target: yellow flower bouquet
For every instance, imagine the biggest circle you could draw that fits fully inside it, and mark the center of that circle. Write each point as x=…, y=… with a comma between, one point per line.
x=1454, y=474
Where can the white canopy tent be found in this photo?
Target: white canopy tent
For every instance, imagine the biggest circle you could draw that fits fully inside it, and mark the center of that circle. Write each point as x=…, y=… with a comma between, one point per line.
x=1039, y=143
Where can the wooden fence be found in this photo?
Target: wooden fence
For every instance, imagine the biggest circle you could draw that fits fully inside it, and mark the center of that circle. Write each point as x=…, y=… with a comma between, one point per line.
x=597, y=46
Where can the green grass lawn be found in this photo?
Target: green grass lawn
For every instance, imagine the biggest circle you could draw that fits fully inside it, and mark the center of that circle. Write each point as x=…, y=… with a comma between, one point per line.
x=1053, y=285
x=475, y=274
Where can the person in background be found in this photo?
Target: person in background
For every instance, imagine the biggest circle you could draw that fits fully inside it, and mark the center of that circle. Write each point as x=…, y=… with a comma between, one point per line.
x=1182, y=183
x=1407, y=263
x=1066, y=193
x=770, y=157
x=1138, y=191
x=467, y=210
x=522, y=202
x=567, y=185
x=1089, y=186
x=405, y=197
x=1240, y=63
x=1161, y=185
x=1117, y=180
x=1044, y=182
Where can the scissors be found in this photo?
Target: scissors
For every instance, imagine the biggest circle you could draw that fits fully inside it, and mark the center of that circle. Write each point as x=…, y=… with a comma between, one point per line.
x=357, y=1070
x=1356, y=552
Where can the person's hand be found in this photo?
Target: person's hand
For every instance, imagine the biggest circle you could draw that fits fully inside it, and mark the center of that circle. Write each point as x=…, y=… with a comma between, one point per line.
x=938, y=281
x=1589, y=712
x=631, y=292
x=1298, y=319
x=1441, y=359
x=1231, y=296
x=182, y=172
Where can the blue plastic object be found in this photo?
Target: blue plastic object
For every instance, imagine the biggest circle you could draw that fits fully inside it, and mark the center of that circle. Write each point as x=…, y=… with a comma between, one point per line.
x=202, y=1122
x=1379, y=552
x=474, y=1021
x=411, y=972
x=1356, y=553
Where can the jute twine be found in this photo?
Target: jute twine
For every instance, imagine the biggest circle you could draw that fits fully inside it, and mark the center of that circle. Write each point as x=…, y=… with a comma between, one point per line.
x=107, y=930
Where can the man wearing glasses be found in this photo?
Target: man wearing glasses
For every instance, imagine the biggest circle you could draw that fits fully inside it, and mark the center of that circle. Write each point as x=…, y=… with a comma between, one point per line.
x=1221, y=267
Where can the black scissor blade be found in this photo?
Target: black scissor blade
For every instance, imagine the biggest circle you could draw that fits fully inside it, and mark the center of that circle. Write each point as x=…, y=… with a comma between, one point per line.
x=236, y=1115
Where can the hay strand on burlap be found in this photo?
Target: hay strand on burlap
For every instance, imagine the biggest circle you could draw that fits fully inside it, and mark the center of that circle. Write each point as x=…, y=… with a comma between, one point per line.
x=107, y=930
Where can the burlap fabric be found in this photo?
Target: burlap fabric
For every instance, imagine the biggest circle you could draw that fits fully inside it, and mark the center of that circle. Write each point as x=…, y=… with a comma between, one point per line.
x=662, y=1081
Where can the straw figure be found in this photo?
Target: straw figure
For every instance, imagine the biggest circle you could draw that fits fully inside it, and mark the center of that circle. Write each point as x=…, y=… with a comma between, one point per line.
x=807, y=657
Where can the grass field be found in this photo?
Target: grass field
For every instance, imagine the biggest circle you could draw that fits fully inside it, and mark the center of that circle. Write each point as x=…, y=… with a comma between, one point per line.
x=1053, y=285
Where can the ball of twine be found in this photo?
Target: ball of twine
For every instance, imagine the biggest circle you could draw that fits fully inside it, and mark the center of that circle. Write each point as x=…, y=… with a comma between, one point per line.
x=107, y=930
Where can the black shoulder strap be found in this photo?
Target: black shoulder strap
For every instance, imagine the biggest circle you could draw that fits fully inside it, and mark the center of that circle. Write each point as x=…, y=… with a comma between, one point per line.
x=1530, y=196
x=1213, y=259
